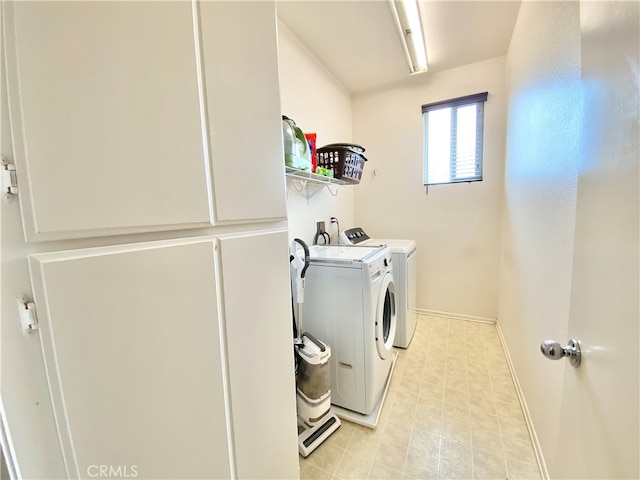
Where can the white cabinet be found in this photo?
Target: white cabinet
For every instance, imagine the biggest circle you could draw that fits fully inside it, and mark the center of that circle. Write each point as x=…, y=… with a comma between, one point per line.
x=243, y=100
x=140, y=377
x=131, y=341
x=147, y=143
x=259, y=341
x=106, y=117
x=143, y=116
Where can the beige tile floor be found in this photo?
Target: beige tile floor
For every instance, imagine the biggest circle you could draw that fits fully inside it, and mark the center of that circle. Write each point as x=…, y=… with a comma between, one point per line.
x=451, y=412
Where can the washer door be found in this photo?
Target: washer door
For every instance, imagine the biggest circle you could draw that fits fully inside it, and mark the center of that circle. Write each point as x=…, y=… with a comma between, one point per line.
x=386, y=317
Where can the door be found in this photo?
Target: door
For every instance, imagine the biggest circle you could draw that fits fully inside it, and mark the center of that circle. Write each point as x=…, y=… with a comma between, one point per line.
x=598, y=429
x=245, y=127
x=259, y=339
x=137, y=384
x=106, y=106
x=386, y=316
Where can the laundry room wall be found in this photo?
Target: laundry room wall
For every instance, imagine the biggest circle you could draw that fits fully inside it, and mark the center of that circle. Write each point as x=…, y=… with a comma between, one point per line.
x=539, y=214
x=456, y=227
x=318, y=103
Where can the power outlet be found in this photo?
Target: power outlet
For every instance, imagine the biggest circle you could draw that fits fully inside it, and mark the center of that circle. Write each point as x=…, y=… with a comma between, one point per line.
x=320, y=227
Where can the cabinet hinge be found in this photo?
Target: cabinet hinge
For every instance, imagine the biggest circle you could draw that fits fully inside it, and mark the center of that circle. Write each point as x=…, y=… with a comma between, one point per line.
x=9, y=179
x=27, y=312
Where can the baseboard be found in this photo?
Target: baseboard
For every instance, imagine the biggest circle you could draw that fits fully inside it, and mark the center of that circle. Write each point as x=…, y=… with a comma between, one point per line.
x=525, y=410
x=456, y=316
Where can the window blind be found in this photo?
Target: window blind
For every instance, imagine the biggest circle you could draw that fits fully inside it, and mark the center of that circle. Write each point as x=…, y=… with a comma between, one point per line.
x=453, y=139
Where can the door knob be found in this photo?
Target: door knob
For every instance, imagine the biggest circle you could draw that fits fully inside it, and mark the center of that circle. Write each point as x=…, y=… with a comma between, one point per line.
x=553, y=350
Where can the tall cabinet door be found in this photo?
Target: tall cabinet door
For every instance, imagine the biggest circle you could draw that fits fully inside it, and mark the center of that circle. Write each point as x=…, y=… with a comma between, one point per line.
x=131, y=342
x=259, y=338
x=239, y=49
x=107, y=117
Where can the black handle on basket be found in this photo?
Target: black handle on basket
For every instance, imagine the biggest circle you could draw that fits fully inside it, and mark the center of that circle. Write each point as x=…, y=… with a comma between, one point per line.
x=358, y=148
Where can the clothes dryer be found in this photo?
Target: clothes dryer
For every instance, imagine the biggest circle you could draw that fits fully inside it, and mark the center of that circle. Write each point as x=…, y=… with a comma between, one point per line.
x=350, y=302
x=404, y=276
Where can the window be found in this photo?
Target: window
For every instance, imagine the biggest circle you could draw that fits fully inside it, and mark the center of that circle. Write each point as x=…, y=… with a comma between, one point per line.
x=453, y=131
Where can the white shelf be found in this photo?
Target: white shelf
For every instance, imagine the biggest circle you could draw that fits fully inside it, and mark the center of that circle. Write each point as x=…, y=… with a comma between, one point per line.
x=308, y=184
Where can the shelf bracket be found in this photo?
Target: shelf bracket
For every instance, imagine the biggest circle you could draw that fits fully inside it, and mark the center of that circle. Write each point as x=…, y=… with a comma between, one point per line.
x=308, y=184
x=333, y=193
x=300, y=186
x=305, y=188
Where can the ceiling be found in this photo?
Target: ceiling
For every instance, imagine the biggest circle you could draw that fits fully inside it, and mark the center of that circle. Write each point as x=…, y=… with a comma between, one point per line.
x=357, y=40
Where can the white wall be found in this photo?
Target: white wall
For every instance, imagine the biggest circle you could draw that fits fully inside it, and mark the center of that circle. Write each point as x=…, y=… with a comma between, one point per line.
x=456, y=227
x=543, y=78
x=318, y=103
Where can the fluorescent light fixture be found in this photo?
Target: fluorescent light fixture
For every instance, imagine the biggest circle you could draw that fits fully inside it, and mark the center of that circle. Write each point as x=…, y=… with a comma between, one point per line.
x=407, y=17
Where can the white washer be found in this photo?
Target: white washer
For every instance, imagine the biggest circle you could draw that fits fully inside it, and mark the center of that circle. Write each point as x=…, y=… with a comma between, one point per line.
x=349, y=304
x=404, y=276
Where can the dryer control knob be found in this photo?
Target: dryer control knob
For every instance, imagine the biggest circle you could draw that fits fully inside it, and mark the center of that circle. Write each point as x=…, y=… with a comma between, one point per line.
x=386, y=262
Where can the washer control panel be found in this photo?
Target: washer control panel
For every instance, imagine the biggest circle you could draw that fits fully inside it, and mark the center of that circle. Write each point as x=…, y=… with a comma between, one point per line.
x=353, y=236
